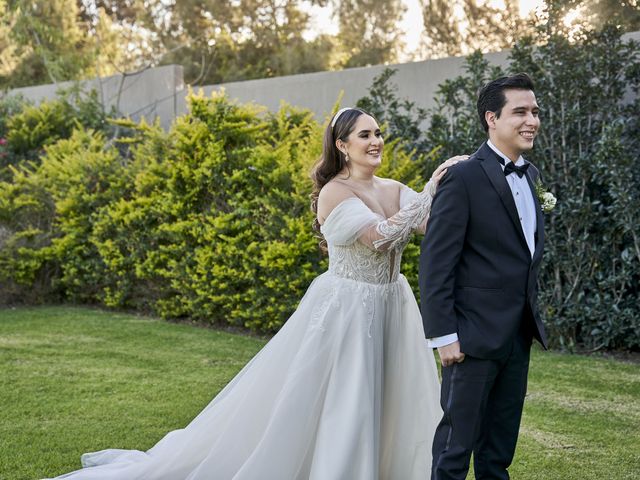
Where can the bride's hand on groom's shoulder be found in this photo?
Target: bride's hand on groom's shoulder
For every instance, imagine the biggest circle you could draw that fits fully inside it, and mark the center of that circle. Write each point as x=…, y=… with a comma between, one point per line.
x=442, y=168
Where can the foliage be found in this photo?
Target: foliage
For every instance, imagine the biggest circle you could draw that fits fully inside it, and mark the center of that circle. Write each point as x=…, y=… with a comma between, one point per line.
x=452, y=125
x=594, y=15
x=209, y=221
x=218, y=41
x=218, y=203
x=45, y=41
x=29, y=128
x=461, y=27
x=369, y=33
x=215, y=41
x=228, y=41
x=46, y=218
x=10, y=106
x=587, y=153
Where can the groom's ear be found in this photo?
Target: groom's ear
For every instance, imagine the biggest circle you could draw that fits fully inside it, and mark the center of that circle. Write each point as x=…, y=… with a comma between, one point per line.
x=490, y=118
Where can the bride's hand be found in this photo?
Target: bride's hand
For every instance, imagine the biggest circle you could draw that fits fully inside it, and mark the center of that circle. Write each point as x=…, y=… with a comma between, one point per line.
x=442, y=168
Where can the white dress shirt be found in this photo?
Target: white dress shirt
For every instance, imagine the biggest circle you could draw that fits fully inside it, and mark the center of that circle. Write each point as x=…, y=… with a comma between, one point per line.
x=526, y=207
x=523, y=197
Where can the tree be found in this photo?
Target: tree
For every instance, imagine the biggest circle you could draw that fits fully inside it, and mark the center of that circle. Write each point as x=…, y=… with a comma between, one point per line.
x=48, y=43
x=369, y=33
x=596, y=14
x=218, y=41
x=274, y=44
x=214, y=40
x=51, y=41
x=124, y=33
x=8, y=60
x=460, y=27
x=625, y=13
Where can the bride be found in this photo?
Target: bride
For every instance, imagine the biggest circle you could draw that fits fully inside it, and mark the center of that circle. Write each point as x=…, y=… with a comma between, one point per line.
x=347, y=390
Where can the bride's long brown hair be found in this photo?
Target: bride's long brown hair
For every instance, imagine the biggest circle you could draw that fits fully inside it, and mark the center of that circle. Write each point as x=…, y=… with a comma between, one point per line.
x=332, y=161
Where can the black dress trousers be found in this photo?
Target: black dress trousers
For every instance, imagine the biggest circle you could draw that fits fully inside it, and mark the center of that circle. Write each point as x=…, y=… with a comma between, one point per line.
x=482, y=402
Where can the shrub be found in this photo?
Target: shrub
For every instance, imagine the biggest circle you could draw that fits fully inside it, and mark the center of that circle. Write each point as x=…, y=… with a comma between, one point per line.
x=9, y=107
x=29, y=128
x=216, y=226
x=46, y=218
x=587, y=153
x=209, y=221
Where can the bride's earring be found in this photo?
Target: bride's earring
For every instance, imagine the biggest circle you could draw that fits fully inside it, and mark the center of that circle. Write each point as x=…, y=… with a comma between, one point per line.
x=346, y=157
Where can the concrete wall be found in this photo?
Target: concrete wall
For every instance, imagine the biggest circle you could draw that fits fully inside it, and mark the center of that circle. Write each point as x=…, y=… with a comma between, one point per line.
x=152, y=93
x=160, y=92
x=417, y=81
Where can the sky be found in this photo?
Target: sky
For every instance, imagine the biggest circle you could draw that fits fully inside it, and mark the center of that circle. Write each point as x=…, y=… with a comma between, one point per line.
x=321, y=21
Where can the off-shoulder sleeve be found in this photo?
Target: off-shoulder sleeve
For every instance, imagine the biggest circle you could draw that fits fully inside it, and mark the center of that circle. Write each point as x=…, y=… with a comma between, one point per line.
x=413, y=214
x=347, y=222
x=407, y=195
x=352, y=220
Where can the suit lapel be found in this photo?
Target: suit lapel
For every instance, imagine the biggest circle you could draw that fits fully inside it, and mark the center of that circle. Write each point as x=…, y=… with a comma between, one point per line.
x=539, y=219
x=496, y=176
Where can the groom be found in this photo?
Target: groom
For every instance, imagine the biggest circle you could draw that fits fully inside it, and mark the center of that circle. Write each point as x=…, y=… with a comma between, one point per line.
x=479, y=265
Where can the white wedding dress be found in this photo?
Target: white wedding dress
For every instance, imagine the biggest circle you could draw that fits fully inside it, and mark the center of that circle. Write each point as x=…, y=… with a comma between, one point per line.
x=347, y=390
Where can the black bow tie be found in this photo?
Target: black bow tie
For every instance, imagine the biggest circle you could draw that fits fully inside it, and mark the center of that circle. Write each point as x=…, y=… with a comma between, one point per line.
x=512, y=167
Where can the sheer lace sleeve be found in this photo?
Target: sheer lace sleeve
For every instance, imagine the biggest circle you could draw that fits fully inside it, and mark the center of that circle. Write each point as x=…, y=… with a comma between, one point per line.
x=397, y=229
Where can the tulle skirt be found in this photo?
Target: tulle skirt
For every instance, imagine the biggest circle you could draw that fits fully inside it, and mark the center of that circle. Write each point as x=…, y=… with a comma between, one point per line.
x=347, y=390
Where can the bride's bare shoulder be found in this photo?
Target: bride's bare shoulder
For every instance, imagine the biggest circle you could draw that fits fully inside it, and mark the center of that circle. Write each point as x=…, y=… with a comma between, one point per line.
x=391, y=184
x=331, y=195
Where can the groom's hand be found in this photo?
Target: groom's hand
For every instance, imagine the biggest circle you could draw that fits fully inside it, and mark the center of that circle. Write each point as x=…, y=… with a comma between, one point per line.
x=450, y=354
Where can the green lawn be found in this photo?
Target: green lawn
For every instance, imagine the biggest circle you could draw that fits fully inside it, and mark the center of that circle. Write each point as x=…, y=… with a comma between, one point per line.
x=76, y=379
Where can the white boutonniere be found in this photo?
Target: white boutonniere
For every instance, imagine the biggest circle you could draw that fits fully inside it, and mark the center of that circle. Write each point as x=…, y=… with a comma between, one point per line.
x=546, y=198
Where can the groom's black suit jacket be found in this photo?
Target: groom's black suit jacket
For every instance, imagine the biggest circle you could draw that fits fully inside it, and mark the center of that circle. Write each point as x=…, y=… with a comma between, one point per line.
x=477, y=277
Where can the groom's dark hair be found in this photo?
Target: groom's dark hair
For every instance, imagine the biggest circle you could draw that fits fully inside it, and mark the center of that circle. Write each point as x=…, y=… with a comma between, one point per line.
x=491, y=97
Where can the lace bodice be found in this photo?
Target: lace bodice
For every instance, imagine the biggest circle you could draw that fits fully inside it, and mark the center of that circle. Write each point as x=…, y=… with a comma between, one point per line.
x=345, y=229
x=361, y=263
